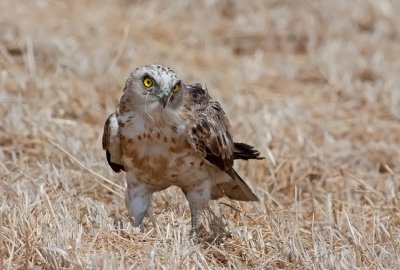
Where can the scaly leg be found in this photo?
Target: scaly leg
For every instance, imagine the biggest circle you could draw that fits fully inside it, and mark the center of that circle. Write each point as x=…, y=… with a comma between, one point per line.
x=194, y=217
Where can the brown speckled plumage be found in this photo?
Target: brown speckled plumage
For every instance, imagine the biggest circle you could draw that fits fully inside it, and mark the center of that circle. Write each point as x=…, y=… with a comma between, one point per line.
x=162, y=138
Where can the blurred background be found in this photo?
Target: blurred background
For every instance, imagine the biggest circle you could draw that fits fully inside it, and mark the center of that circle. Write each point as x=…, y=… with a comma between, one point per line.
x=313, y=84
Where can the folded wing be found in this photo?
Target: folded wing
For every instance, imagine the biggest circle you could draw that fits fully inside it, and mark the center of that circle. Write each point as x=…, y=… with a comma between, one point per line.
x=211, y=136
x=111, y=143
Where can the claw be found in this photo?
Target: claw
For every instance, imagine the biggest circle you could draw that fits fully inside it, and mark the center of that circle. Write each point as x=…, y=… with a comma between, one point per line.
x=139, y=219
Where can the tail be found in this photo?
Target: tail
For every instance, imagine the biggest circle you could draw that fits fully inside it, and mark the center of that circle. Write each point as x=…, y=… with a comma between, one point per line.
x=236, y=189
x=245, y=151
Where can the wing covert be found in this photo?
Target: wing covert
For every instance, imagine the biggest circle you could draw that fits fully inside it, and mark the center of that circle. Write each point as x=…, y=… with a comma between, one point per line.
x=111, y=143
x=210, y=133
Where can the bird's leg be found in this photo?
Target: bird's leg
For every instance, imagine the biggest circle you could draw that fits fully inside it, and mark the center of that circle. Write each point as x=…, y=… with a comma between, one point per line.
x=194, y=215
x=137, y=200
x=198, y=197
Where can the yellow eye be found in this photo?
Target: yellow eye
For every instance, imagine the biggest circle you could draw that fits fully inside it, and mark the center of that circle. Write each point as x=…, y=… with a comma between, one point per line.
x=148, y=82
x=176, y=88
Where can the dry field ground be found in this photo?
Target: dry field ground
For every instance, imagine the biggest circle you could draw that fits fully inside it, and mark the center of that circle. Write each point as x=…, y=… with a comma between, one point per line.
x=313, y=84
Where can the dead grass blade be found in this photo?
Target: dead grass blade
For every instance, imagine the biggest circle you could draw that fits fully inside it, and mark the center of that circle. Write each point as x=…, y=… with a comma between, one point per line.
x=91, y=171
x=1, y=240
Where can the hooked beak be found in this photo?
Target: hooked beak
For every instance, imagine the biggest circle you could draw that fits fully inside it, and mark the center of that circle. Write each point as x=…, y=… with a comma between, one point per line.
x=164, y=99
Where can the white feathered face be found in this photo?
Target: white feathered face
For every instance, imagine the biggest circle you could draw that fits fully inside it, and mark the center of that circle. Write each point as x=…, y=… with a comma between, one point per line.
x=156, y=87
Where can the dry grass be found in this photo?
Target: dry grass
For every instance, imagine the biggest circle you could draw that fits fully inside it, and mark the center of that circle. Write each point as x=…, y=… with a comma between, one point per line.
x=313, y=84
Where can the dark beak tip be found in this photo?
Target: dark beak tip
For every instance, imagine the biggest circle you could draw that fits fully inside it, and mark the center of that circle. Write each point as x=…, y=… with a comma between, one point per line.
x=164, y=100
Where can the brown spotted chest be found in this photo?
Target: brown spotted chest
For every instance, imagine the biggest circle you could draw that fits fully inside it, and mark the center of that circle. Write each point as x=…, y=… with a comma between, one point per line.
x=160, y=155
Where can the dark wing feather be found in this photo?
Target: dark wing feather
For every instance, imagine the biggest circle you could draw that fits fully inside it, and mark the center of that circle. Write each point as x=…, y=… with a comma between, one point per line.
x=211, y=132
x=116, y=167
x=111, y=143
x=245, y=151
